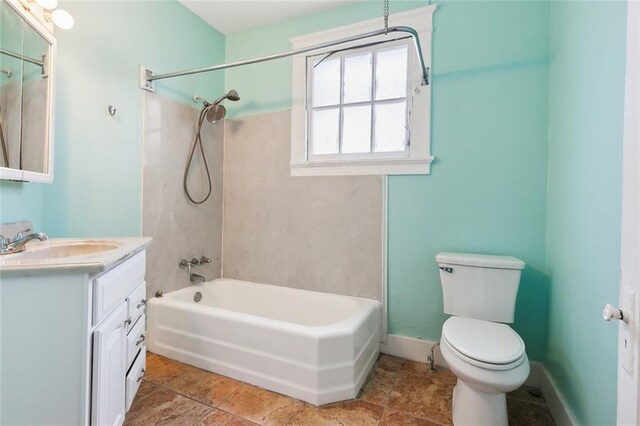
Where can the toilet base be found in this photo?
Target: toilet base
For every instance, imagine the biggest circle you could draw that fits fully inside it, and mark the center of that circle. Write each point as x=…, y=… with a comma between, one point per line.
x=472, y=407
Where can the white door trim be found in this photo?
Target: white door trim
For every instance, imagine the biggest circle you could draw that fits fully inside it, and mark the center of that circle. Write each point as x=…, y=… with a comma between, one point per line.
x=628, y=386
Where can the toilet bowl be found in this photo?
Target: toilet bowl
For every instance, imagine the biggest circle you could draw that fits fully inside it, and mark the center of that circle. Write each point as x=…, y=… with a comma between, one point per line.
x=487, y=356
x=489, y=360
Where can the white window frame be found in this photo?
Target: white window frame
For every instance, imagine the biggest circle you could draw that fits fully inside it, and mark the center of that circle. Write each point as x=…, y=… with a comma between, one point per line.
x=418, y=159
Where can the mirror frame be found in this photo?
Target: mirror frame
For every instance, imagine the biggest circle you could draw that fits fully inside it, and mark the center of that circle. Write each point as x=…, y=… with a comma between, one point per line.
x=36, y=25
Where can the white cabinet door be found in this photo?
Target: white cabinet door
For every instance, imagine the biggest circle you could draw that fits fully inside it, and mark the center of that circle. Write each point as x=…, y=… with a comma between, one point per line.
x=109, y=369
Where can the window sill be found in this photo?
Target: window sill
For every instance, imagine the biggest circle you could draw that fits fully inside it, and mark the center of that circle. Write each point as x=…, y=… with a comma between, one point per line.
x=404, y=166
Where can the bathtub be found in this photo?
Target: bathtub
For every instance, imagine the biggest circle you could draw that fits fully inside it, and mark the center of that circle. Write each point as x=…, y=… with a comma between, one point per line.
x=317, y=347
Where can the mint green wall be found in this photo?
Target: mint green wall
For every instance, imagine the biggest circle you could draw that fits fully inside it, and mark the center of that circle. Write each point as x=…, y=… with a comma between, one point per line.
x=268, y=85
x=487, y=189
x=489, y=105
x=98, y=159
x=586, y=99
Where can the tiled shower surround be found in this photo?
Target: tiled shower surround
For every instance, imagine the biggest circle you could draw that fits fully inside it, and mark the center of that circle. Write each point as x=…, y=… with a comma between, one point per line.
x=315, y=233
x=179, y=228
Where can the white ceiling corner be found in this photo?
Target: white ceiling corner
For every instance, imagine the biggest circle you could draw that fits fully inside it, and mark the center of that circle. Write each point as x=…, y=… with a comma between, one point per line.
x=230, y=16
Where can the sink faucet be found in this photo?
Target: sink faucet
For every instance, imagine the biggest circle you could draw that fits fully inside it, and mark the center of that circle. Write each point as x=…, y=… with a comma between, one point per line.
x=17, y=244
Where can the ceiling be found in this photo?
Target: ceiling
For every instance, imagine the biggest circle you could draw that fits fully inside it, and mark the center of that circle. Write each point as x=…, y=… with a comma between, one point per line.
x=230, y=16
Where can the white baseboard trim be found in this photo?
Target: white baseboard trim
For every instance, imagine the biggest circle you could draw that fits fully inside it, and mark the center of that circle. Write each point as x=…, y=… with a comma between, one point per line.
x=556, y=402
x=417, y=350
x=410, y=348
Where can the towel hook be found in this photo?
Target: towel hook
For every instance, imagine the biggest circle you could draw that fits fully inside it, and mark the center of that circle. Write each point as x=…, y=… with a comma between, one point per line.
x=112, y=111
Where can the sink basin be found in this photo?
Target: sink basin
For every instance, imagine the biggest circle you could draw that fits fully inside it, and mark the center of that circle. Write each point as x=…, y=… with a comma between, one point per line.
x=62, y=250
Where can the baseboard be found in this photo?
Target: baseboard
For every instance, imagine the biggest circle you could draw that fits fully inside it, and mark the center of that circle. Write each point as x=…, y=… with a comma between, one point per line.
x=410, y=348
x=556, y=402
x=418, y=350
x=536, y=371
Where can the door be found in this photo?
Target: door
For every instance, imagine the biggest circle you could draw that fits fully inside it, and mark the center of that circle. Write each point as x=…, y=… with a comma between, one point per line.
x=109, y=369
x=628, y=336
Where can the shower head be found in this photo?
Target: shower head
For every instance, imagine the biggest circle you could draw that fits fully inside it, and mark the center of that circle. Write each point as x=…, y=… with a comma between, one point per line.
x=215, y=113
x=232, y=95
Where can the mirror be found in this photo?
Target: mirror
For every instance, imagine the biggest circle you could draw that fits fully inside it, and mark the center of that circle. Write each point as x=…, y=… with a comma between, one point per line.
x=27, y=49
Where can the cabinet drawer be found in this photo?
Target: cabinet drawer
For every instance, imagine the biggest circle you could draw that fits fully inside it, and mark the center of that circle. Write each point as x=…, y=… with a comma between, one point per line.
x=135, y=340
x=134, y=378
x=136, y=302
x=112, y=287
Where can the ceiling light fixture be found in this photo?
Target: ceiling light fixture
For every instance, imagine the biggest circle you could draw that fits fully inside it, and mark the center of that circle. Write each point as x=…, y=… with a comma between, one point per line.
x=62, y=19
x=47, y=4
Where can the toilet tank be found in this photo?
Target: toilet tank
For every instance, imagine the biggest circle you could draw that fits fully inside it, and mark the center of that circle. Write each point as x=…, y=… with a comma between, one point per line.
x=480, y=286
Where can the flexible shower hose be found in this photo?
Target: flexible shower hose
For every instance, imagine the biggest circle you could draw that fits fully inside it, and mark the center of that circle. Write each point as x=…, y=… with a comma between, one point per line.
x=197, y=142
x=3, y=142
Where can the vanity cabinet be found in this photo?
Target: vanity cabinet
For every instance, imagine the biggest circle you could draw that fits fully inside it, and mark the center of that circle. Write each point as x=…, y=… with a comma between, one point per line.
x=72, y=344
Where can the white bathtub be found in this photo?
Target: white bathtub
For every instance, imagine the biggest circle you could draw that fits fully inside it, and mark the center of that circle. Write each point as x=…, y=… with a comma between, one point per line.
x=317, y=347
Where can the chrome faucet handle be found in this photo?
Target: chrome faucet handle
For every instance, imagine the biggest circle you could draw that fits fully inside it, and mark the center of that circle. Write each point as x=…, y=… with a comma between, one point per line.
x=205, y=259
x=21, y=234
x=184, y=263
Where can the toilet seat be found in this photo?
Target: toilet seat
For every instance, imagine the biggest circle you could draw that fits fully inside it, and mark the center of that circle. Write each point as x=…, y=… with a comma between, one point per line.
x=485, y=344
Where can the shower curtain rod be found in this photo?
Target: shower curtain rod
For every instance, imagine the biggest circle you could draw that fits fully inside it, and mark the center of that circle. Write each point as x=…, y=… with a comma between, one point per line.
x=147, y=78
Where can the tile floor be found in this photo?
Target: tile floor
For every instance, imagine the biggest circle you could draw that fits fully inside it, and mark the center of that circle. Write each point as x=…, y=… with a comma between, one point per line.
x=399, y=392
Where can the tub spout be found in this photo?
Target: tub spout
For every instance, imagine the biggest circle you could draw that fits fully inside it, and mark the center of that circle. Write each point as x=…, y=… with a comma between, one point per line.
x=196, y=278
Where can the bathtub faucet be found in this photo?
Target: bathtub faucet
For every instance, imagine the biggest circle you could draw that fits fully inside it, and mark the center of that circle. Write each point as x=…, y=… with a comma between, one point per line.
x=184, y=263
x=195, y=278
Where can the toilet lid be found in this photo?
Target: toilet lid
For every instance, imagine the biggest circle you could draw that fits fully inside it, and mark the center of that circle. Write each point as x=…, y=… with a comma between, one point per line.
x=484, y=341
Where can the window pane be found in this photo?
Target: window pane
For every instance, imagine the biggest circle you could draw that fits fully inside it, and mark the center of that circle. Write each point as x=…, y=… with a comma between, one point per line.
x=357, y=78
x=356, y=129
x=326, y=82
x=390, y=127
x=391, y=73
x=325, y=131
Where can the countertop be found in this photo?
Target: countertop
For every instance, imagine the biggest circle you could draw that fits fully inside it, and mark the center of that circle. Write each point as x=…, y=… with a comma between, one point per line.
x=94, y=263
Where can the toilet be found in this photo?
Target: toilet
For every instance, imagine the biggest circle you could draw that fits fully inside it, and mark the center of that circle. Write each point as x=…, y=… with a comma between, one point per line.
x=487, y=356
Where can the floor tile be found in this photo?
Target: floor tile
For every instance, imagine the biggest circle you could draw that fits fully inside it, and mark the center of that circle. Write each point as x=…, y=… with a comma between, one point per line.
x=163, y=407
x=389, y=363
x=528, y=394
x=427, y=396
x=399, y=392
x=526, y=414
x=220, y=418
x=352, y=413
x=205, y=387
x=164, y=371
x=414, y=367
x=379, y=386
x=261, y=406
x=145, y=389
x=394, y=418
x=201, y=385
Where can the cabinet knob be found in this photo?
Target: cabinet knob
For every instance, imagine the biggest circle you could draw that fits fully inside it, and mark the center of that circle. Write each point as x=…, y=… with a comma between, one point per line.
x=127, y=322
x=142, y=303
x=141, y=375
x=141, y=340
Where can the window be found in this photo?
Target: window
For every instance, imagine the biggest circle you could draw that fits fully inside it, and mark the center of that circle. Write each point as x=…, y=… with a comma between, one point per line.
x=354, y=109
x=357, y=103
